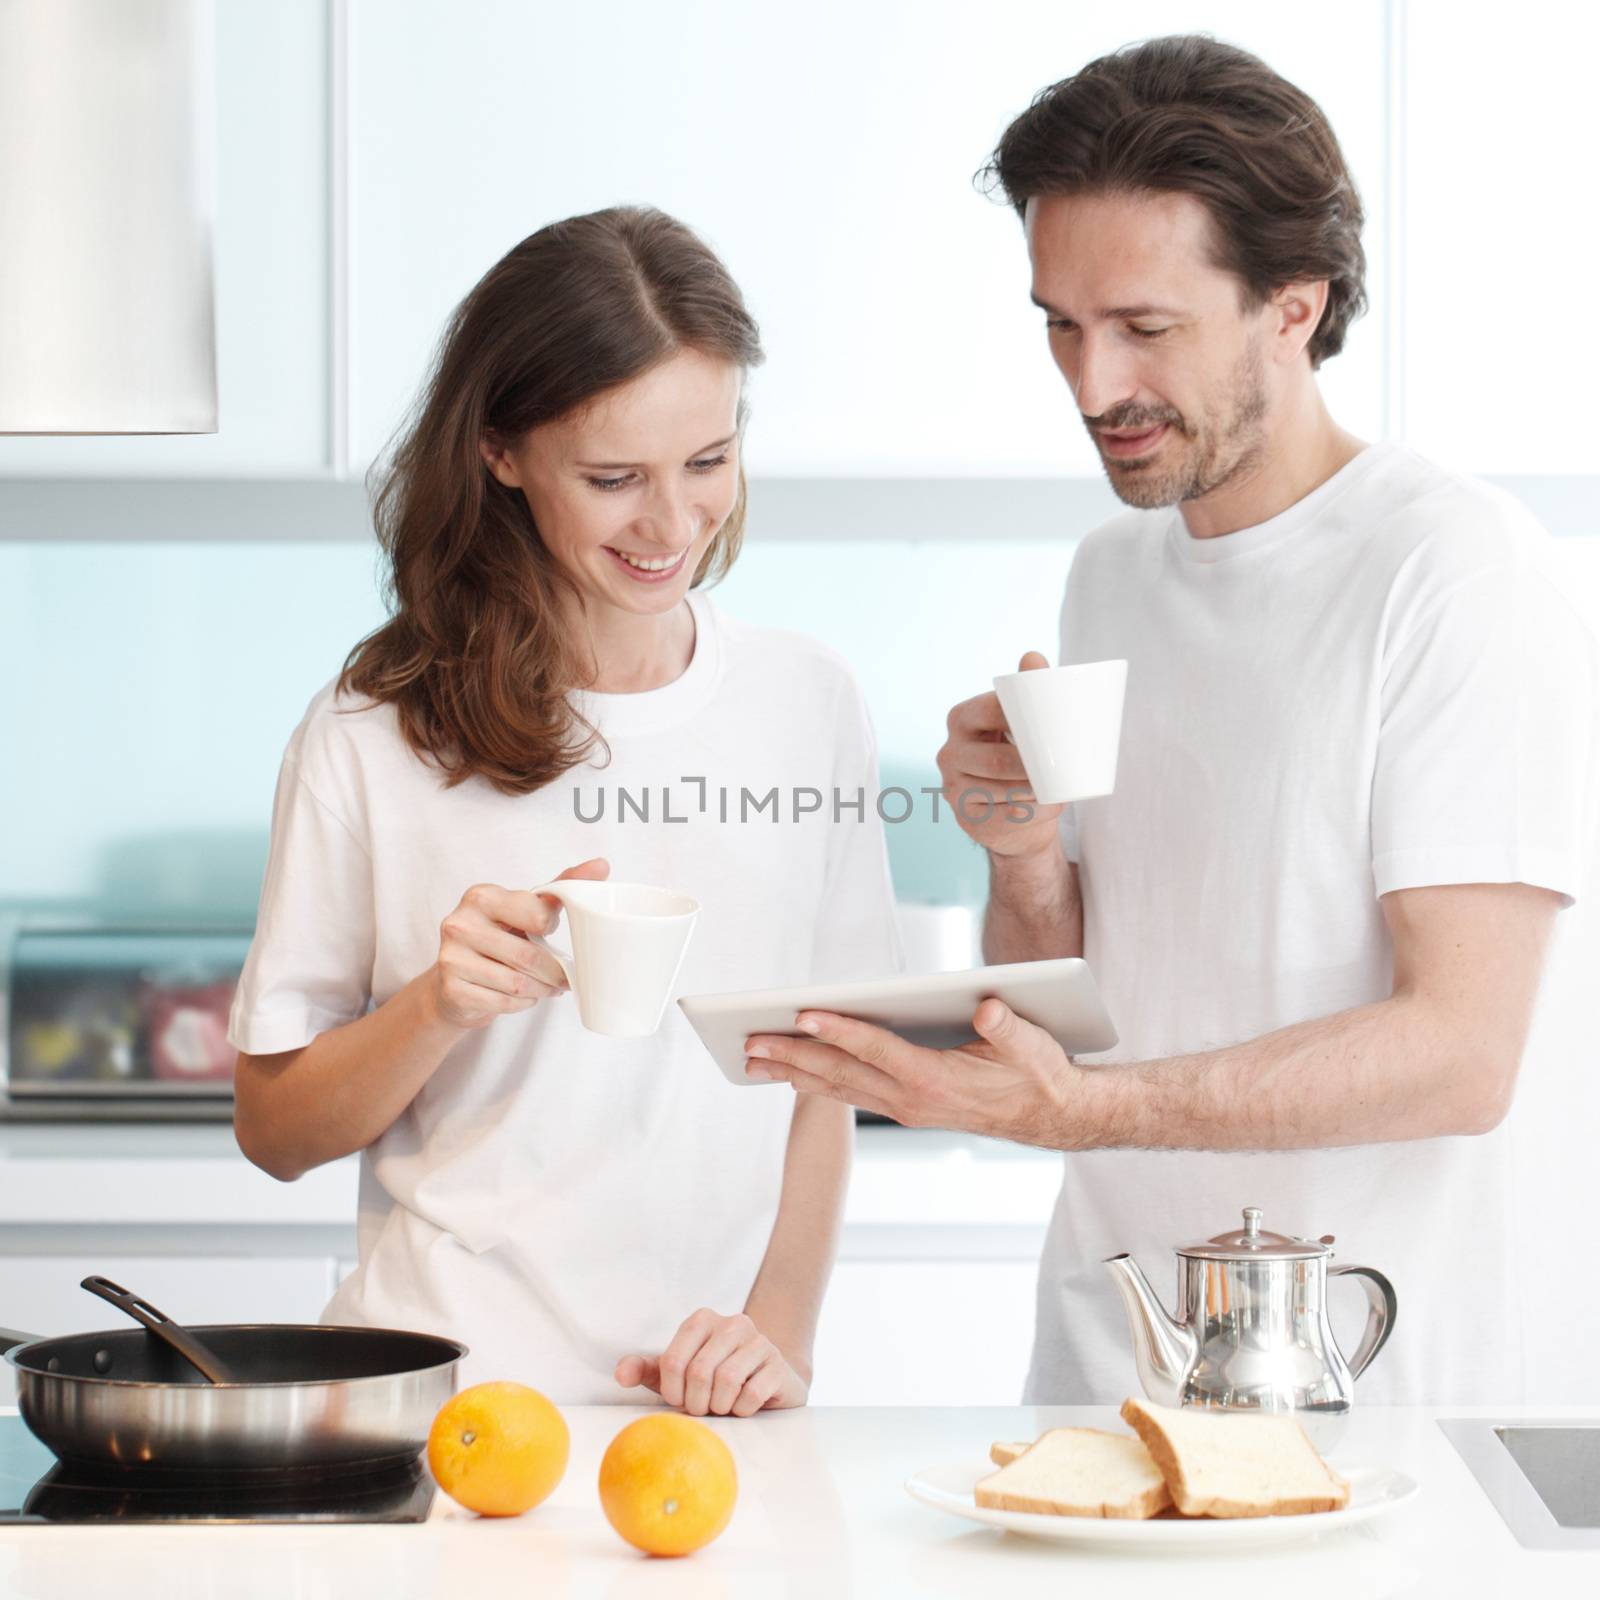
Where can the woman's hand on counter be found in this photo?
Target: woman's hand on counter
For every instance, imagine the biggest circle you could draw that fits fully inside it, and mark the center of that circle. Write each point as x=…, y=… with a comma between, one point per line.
x=718, y=1366
x=490, y=961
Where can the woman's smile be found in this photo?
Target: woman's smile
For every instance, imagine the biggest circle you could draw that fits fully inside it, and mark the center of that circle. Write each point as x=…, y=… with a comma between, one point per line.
x=648, y=569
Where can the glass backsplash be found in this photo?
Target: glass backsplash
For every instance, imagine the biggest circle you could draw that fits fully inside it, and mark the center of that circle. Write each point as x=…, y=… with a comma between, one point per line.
x=149, y=690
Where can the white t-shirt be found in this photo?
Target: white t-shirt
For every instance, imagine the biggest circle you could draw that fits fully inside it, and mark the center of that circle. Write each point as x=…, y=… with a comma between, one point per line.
x=553, y=1198
x=1381, y=688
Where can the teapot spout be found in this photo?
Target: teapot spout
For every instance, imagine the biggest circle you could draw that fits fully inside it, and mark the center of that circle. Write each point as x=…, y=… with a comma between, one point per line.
x=1164, y=1349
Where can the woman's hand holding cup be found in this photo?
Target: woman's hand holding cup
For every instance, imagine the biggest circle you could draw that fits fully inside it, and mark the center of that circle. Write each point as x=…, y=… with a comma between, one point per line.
x=490, y=962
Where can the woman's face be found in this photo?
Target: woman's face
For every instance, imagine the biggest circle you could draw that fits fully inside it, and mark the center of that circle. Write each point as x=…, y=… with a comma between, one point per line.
x=628, y=492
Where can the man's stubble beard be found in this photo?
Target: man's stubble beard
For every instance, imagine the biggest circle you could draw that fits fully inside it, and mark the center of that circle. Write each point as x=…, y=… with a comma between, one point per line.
x=1216, y=455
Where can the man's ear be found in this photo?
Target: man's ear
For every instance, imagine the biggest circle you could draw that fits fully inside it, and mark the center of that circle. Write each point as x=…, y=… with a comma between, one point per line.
x=1299, y=308
x=499, y=463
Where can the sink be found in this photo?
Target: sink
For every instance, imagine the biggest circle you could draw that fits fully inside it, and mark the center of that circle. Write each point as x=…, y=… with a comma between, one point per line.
x=1542, y=1477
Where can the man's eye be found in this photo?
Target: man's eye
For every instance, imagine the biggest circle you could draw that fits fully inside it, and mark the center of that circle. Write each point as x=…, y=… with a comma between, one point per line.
x=1060, y=325
x=708, y=463
x=607, y=483
x=1151, y=333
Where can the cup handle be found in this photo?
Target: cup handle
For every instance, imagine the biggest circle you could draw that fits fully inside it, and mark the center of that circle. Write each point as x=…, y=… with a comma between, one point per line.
x=563, y=957
x=1381, y=1310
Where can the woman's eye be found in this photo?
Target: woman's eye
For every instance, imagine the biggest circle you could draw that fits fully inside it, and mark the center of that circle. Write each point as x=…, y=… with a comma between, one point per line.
x=704, y=464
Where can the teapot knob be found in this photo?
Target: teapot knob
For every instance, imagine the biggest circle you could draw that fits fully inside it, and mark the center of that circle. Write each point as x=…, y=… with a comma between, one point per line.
x=1252, y=1221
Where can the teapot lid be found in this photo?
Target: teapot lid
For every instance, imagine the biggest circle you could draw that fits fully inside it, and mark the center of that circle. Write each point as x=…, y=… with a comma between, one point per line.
x=1251, y=1244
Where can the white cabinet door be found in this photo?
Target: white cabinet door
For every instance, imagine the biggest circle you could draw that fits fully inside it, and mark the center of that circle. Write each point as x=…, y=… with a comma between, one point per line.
x=1501, y=236
x=944, y=1333
x=271, y=265
x=828, y=153
x=42, y=1294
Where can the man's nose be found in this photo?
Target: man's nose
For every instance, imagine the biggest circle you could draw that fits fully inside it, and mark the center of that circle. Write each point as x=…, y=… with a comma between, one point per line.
x=1106, y=375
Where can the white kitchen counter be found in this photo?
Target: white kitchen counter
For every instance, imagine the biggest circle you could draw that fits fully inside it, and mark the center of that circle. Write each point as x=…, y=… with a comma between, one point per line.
x=821, y=1513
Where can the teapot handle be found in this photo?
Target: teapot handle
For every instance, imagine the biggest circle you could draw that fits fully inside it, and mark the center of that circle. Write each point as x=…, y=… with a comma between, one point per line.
x=1380, y=1316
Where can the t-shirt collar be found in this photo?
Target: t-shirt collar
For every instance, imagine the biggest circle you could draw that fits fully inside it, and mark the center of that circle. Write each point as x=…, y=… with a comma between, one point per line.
x=1246, y=541
x=650, y=710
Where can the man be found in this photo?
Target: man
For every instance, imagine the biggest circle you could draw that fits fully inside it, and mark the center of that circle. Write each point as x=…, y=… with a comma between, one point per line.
x=1355, y=774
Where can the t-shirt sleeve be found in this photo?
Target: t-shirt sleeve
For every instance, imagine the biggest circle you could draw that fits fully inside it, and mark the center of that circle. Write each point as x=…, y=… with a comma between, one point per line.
x=309, y=967
x=1486, y=739
x=858, y=933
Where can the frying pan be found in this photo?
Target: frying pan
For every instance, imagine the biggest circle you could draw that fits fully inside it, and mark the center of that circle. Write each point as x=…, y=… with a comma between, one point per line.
x=304, y=1396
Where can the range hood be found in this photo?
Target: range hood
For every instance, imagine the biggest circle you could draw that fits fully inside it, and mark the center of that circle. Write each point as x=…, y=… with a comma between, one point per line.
x=106, y=137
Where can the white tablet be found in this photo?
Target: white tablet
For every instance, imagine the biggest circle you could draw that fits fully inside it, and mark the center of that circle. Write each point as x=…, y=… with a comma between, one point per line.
x=933, y=1009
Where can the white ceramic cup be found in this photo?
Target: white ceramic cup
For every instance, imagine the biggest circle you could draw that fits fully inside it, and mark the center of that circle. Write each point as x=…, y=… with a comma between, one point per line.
x=1066, y=723
x=628, y=942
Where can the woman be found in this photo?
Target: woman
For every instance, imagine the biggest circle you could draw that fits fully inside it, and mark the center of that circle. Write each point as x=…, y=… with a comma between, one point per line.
x=587, y=1214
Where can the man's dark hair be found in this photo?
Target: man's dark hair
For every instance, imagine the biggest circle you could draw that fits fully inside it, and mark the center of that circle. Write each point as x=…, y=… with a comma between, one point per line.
x=1188, y=115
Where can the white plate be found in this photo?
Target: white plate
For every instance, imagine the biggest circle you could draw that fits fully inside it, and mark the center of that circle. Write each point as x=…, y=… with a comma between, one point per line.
x=1374, y=1492
x=928, y=1008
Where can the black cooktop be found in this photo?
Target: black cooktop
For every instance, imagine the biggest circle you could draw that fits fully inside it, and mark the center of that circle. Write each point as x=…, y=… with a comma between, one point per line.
x=36, y=1487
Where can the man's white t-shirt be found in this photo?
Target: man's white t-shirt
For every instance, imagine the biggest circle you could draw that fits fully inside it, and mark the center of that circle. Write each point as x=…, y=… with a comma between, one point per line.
x=1382, y=688
x=552, y=1198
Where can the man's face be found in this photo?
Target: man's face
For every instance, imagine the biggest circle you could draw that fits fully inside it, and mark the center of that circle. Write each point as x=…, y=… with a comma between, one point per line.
x=1168, y=371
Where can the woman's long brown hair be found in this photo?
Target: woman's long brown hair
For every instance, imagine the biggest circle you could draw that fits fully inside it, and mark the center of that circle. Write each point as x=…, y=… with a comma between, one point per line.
x=478, y=656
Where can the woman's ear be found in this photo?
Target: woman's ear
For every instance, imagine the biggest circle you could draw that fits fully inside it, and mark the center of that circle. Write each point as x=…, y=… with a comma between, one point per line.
x=499, y=463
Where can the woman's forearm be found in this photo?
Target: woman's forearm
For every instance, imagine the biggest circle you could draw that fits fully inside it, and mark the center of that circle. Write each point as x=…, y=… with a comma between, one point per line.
x=787, y=1297
x=301, y=1108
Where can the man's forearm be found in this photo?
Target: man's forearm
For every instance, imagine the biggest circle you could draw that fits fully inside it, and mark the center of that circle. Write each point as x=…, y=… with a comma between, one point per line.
x=1386, y=1071
x=787, y=1296
x=1035, y=911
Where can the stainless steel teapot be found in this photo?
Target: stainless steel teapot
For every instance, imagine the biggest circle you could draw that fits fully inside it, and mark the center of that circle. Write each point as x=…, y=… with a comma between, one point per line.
x=1252, y=1327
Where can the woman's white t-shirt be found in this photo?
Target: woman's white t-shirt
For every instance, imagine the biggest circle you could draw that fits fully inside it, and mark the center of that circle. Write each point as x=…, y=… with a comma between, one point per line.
x=553, y=1198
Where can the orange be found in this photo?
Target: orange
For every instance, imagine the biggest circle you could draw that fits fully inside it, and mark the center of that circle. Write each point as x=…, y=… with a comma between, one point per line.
x=498, y=1448
x=668, y=1484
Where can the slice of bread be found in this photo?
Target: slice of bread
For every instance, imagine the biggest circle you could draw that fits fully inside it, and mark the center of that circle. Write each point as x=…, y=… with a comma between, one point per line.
x=1236, y=1464
x=1004, y=1454
x=1078, y=1472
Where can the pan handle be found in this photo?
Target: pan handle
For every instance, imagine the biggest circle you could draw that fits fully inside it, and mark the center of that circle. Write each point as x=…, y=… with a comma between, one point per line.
x=163, y=1327
x=10, y=1338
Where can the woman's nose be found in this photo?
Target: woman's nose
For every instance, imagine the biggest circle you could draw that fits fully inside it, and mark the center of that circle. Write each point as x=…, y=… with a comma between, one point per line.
x=675, y=521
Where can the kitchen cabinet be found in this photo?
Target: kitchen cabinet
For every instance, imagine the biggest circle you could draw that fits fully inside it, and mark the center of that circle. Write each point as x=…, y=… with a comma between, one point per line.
x=907, y=392
x=946, y=1331
x=942, y=1331
x=931, y=1302
x=893, y=297
x=1499, y=241
x=272, y=270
